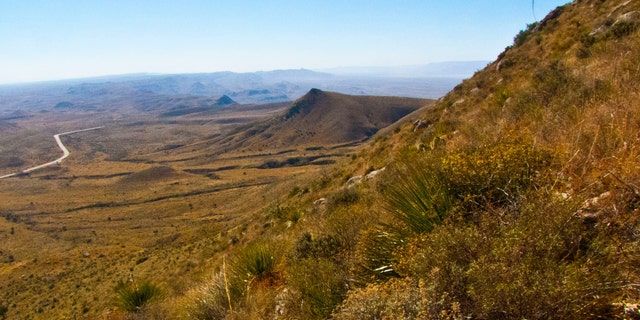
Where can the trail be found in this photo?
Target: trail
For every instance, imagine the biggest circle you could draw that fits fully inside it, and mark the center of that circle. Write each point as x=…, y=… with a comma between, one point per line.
x=65, y=153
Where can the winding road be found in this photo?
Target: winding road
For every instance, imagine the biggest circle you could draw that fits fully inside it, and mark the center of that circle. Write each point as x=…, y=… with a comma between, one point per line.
x=65, y=153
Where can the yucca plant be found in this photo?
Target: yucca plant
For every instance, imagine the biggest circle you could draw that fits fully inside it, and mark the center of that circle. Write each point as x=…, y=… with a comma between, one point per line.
x=132, y=297
x=257, y=261
x=418, y=199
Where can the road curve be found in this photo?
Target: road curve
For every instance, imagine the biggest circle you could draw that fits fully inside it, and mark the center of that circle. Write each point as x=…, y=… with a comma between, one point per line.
x=65, y=153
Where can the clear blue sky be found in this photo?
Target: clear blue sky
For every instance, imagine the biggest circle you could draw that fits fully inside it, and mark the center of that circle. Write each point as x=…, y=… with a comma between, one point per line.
x=46, y=39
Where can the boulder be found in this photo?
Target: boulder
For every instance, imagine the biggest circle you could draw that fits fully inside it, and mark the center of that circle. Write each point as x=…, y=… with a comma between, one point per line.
x=373, y=173
x=418, y=124
x=320, y=202
x=354, y=181
x=459, y=102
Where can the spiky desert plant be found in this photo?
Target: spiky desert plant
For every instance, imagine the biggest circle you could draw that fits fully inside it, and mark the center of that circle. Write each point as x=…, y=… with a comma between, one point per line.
x=418, y=199
x=132, y=296
x=256, y=262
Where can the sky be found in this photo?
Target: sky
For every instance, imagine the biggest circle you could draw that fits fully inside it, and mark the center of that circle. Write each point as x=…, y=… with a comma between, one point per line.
x=49, y=40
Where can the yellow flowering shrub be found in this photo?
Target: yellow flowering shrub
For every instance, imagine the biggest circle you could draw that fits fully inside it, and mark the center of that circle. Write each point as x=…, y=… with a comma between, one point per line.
x=494, y=173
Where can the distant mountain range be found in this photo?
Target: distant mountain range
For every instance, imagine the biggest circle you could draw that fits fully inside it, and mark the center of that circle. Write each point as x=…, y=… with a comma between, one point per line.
x=423, y=81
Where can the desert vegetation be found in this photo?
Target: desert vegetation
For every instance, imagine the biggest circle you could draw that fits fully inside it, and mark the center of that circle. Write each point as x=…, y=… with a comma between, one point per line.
x=514, y=196
x=519, y=199
x=153, y=196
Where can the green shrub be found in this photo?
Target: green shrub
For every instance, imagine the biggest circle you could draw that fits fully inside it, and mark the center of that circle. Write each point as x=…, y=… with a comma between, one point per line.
x=324, y=246
x=623, y=28
x=550, y=80
x=442, y=258
x=132, y=297
x=346, y=224
x=439, y=130
x=343, y=197
x=522, y=36
x=539, y=266
x=554, y=90
x=587, y=40
x=297, y=191
x=284, y=213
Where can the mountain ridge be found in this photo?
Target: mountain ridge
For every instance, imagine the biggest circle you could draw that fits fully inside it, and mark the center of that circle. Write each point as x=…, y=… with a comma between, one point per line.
x=250, y=87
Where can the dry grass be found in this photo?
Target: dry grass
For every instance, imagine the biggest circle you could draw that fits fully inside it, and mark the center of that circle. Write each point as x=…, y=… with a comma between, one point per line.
x=528, y=246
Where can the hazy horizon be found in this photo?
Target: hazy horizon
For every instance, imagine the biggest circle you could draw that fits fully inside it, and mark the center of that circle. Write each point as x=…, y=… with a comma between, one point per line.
x=425, y=71
x=43, y=41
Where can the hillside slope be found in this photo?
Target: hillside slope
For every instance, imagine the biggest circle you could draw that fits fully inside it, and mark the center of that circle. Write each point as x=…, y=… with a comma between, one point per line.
x=516, y=196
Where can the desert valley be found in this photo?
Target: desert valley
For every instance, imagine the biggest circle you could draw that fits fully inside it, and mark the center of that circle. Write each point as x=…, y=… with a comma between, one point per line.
x=163, y=181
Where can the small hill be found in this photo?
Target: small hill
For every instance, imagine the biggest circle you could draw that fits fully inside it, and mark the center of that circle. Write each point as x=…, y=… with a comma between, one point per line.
x=322, y=117
x=157, y=173
x=224, y=101
x=192, y=104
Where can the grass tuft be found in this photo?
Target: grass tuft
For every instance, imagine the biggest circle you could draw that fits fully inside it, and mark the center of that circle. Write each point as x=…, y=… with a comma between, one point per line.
x=322, y=285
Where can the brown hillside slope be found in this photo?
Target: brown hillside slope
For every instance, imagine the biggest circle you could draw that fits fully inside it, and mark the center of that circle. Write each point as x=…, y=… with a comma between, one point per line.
x=517, y=198
x=566, y=89
x=325, y=118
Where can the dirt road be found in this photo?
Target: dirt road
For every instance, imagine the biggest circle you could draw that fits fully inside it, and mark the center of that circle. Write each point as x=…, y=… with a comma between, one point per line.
x=65, y=153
